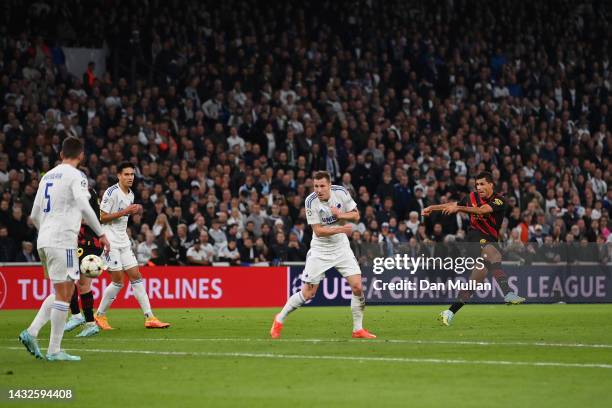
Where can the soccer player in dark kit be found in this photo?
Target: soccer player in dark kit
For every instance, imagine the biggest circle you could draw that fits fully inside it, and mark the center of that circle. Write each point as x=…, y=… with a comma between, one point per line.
x=88, y=245
x=486, y=209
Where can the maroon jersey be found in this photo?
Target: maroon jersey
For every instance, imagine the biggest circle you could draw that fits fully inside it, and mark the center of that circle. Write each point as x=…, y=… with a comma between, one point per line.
x=89, y=244
x=488, y=224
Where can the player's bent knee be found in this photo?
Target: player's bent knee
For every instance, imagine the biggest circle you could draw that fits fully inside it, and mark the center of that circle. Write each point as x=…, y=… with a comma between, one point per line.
x=357, y=289
x=491, y=254
x=309, y=290
x=133, y=273
x=84, y=285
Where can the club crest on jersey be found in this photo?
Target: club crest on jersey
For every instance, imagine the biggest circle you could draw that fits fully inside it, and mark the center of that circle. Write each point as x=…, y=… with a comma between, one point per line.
x=497, y=201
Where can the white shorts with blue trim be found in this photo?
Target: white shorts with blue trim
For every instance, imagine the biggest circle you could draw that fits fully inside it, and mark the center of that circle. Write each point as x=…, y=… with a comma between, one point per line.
x=60, y=264
x=318, y=263
x=120, y=259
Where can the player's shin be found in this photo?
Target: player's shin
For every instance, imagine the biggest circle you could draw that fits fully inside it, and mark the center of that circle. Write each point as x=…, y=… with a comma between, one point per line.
x=500, y=276
x=42, y=317
x=59, y=311
x=357, y=308
x=74, y=303
x=87, y=302
x=110, y=293
x=141, y=295
x=294, y=302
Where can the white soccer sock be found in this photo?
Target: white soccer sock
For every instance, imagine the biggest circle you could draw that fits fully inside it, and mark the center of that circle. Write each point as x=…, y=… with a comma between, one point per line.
x=43, y=316
x=141, y=295
x=59, y=311
x=110, y=293
x=294, y=302
x=357, y=307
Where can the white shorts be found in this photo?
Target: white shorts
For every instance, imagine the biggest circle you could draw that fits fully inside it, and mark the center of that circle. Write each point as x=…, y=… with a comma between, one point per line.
x=317, y=264
x=120, y=259
x=60, y=264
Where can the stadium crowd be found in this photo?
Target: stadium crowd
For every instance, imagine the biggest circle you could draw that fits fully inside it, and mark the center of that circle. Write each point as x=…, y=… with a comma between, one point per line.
x=228, y=109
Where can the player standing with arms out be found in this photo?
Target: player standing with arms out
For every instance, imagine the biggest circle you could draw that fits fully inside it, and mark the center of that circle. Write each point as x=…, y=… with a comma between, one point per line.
x=88, y=245
x=327, y=210
x=486, y=210
x=116, y=207
x=61, y=202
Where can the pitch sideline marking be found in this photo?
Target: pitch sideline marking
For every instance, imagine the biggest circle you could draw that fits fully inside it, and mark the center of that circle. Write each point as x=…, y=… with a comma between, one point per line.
x=401, y=341
x=346, y=358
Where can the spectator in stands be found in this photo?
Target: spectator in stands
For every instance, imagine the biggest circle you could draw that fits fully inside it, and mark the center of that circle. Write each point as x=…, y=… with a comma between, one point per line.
x=229, y=253
x=196, y=255
x=8, y=247
x=27, y=253
x=143, y=253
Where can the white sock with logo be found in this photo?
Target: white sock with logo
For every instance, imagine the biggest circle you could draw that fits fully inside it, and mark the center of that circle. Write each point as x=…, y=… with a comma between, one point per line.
x=110, y=294
x=59, y=311
x=295, y=301
x=43, y=316
x=357, y=307
x=141, y=295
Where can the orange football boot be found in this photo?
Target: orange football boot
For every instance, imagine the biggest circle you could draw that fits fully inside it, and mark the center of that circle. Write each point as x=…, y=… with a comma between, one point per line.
x=275, y=331
x=154, y=323
x=102, y=322
x=363, y=334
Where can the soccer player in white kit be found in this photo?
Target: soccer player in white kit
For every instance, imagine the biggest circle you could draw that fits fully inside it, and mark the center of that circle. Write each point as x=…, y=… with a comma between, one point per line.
x=327, y=210
x=115, y=209
x=61, y=202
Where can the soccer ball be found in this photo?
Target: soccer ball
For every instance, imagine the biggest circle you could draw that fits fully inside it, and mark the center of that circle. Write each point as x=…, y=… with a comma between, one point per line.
x=92, y=266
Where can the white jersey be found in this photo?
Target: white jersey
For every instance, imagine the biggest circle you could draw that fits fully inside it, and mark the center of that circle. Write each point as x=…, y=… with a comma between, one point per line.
x=60, y=216
x=115, y=200
x=319, y=212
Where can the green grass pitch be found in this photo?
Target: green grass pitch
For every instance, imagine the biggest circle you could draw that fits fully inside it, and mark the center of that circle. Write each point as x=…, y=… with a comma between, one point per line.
x=492, y=356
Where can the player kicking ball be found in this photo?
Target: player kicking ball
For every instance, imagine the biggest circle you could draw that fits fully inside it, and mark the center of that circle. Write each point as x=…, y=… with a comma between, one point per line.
x=88, y=245
x=327, y=210
x=61, y=202
x=116, y=207
x=486, y=210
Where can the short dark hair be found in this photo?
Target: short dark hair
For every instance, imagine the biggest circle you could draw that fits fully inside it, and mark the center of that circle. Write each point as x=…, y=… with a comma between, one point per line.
x=485, y=175
x=321, y=174
x=71, y=147
x=124, y=165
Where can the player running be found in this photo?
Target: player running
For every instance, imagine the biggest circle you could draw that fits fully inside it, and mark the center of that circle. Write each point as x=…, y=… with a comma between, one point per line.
x=88, y=245
x=327, y=210
x=486, y=210
x=61, y=202
x=116, y=207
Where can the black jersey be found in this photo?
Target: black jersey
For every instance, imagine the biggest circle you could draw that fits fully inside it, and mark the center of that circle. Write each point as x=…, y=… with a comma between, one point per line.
x=89, y=244
x=488, y=224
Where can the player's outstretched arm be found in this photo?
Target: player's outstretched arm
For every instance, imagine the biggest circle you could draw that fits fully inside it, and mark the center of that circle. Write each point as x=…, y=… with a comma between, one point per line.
x=323, y=231
x=482, y=210
x=352, y=216
x=437, y=207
